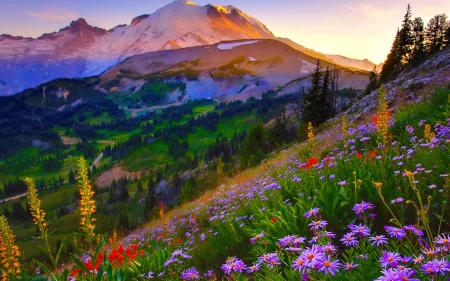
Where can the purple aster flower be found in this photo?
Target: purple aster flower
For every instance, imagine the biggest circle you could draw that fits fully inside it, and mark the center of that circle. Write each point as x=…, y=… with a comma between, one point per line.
x=190, y=274
x=329, y=266
x=414, y=230
x=360, y=230
x=418, y=259
x=233, y=264
x=317, y=224
x=390, y=259
x=395, y=232
x=311, y=213
x=257, y=237
x=406, y=275
x=210, y=274
x=349, y=240
x=378, y=240
x=342, y=183
x=429, y=267
x=442, y=239
x=388, y=275
x=350, y=266
x=299, y=264
x=253, y=268
x=270, y=259
x=313, y=256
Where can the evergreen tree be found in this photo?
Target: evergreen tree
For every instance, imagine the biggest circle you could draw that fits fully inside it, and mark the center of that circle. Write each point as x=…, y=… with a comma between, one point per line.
x=406, y=40
x=325, y=97
x=447, y=35
x=151, y=181
x=419, y=50
x=316, y=104
x=392, y=63
x=278, y=132
x=373, y=81
x=435, y=33
x=309, y=100
x=61, y=180
x=139, y=186
x=71, y=176
x=254, y=144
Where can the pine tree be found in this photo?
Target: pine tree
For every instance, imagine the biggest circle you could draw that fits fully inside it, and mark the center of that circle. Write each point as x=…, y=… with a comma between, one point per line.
x=435, y=33
x=71, y=176
x=392, y=62
x=373, y=81
x=139, y=186
x=326, y=96
x=447, y=35
x=406, y=40
x=419, y=50
x=310, y=99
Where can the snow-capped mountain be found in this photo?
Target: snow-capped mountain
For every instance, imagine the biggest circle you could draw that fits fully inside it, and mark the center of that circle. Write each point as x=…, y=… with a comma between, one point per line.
x=81, y=50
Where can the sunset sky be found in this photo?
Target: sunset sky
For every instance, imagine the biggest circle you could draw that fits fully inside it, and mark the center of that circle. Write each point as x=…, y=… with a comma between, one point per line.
x=356, y=29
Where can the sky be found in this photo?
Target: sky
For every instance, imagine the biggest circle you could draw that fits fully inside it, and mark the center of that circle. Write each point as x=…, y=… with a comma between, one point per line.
x=353, y=28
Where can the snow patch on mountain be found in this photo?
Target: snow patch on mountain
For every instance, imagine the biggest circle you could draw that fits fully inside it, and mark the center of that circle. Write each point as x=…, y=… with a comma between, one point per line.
x=229, y=46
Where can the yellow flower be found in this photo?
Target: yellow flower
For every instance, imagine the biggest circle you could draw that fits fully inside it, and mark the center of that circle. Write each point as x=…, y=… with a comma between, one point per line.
x=35, y=206
x=9, y=252
x=87, y=204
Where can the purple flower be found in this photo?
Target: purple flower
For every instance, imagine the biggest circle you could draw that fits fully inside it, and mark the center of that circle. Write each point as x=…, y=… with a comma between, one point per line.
x=360, y=230
x=311, y=213
x=328, y=266
x=270, y=259
x=363, y=206
x=442, y=239
x=378, y=240
x=349, y=240
x=350, y=266
x=190, y=274
x=233, y=264
x=390, y=259
x=253, y=268
x=395, y=232
x=299, y=264
x=317, y=224
x=313, y=256
x=342, y=183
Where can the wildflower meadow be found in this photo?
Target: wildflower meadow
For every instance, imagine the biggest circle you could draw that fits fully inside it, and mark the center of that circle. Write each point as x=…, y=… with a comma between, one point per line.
x=374, y=206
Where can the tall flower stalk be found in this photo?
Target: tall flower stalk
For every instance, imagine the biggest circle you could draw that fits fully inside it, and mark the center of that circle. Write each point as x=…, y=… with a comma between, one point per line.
x=311, y=137
x=9, y=252
x=87, y=204
x=422, y=210
x=39, y=220
x=383, y=115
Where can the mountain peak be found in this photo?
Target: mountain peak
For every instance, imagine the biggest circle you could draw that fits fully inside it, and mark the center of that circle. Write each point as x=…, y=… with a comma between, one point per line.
x=79, y=23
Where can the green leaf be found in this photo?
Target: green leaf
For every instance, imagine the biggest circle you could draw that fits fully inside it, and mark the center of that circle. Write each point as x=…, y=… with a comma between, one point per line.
x=46, y=270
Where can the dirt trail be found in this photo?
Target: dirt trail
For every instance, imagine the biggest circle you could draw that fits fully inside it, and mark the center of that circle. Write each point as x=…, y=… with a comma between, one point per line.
x=115, y=173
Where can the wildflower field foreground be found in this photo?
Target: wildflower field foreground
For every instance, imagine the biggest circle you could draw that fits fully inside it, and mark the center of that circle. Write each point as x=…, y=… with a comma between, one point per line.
x=373, y=207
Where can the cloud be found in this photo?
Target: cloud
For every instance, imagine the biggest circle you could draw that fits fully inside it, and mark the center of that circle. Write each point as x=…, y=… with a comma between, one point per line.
x=53, y=14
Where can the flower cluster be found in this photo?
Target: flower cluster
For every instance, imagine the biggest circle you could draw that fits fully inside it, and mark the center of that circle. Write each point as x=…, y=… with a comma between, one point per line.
x=9, y=252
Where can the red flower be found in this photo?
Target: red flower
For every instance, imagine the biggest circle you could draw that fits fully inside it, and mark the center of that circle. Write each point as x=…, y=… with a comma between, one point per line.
x=373, y=154
x=141, y=252
x=358, y=155
x=273, y=219
x=310, y=163
x=120, y=249
x=74, y=271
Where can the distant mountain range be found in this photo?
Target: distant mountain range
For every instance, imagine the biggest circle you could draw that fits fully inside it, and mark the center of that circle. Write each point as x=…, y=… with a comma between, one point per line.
x=80, y=50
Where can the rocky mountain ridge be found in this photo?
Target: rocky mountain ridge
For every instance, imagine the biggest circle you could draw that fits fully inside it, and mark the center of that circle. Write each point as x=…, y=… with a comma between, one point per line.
x=81, y=50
